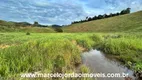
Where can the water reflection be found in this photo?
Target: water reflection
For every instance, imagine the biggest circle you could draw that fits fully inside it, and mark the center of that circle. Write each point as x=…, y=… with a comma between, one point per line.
x=99, y=63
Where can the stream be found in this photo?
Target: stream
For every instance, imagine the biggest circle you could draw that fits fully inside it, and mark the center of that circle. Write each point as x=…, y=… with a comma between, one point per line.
x=98, y=62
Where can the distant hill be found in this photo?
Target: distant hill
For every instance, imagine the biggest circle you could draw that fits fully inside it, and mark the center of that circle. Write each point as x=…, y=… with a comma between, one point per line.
x=17, y=24
x=10, y=26
x=124, y=23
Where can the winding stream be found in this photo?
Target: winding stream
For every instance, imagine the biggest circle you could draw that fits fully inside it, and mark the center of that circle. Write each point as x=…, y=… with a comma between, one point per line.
x=99, y=63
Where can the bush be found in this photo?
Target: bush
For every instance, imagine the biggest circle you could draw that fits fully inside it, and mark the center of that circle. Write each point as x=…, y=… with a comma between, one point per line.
x=27, y=33
x=58, y=29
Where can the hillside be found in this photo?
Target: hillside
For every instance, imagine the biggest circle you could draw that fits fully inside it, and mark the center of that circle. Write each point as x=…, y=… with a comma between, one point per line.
x=124, y=23
x=9, y=26
x=26, y=29
x=17, y=24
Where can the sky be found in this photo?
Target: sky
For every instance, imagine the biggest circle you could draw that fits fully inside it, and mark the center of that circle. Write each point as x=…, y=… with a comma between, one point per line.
x=61, y=12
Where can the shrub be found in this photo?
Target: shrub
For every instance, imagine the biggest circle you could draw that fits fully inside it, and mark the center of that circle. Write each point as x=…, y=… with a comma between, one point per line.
x=27, y=33
x=58, y=29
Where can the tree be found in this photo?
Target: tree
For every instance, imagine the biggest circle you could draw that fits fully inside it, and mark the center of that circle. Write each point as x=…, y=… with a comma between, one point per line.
x=105, y=16
x=110, y=15
x=100, y=17
x=95, y=18
x=58, y=29
x=122, y=12
x=125, y=11
x=35, y=23
x=117, y=14
x=89, y=19
x=128, y=10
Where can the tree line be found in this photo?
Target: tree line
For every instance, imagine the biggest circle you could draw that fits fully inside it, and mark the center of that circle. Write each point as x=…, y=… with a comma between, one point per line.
x=125, y=11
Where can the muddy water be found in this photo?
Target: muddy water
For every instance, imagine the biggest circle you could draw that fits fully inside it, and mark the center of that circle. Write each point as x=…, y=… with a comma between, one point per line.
x=99, y=63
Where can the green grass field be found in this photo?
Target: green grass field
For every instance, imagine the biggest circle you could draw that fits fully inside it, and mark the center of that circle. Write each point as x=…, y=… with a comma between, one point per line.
x=26, y=29
x=60, y=52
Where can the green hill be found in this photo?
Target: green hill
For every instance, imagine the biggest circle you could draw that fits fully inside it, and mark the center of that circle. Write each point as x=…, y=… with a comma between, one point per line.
x=124, y=23
x=9, y=26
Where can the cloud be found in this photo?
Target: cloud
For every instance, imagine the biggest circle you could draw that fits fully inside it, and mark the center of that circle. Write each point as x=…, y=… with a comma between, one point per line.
x=61, y=11
x=107, y=6
x=43, y=11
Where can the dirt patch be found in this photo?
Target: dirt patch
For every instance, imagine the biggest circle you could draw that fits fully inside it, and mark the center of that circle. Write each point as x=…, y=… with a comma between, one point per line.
x=3, y=46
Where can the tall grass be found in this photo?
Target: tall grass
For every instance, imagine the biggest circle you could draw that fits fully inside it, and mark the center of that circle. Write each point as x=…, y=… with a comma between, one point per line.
x=42, y=53
x=128, y=50
x=58, y=53
x=48, y=56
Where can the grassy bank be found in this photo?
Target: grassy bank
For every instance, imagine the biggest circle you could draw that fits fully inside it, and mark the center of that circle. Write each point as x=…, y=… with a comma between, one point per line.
x=125, y=47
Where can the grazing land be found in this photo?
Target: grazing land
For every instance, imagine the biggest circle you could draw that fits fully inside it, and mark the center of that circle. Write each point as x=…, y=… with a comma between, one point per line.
x=124, y=23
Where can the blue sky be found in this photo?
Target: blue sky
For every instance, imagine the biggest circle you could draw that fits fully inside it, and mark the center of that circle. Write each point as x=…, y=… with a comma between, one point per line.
x=61, y=11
